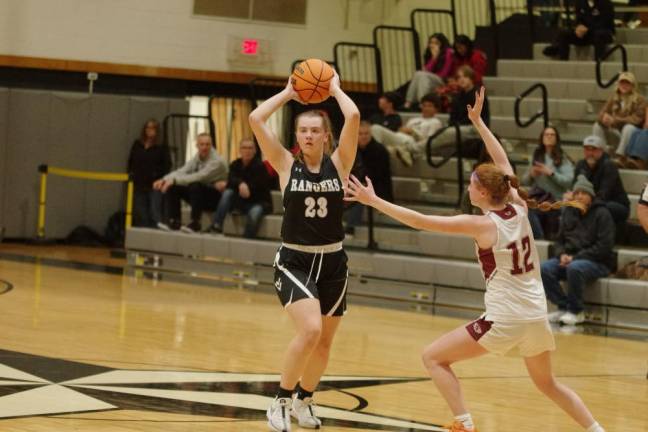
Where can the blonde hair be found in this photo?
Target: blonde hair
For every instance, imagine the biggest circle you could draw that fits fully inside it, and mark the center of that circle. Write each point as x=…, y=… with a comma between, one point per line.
x=624, y=103
x=328, y=129
x=498, y=185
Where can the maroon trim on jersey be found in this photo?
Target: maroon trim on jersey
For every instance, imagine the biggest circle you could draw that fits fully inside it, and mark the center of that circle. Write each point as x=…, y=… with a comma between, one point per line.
x=479, y=328
x=506, y=213
x=487, y=261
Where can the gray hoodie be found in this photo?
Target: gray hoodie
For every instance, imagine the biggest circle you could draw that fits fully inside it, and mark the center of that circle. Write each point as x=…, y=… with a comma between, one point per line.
x=207, y=171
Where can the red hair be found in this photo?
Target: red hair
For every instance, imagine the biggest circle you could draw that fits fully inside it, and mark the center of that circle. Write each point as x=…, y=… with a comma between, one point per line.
x=498, y=185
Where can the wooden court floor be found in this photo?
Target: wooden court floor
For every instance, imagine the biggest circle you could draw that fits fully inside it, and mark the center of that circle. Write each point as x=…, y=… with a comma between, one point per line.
x=88, y=349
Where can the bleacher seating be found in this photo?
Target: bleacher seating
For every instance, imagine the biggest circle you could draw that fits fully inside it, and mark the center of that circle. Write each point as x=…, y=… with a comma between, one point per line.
x=431, y=271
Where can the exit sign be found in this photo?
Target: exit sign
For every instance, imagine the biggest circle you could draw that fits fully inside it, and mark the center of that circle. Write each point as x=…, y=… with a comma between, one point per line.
x=250, y=47
x=248, y=54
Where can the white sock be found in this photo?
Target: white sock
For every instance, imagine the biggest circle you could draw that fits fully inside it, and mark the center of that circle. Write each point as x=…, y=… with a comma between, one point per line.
x=466, y=420
x=595, y=427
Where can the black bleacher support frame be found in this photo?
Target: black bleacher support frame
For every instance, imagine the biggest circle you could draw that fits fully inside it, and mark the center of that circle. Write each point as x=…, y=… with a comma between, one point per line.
x=544, y=113
x=608, y=53
x=401, y=76
x=359, y=73
x=458, y=152
x=431, y=18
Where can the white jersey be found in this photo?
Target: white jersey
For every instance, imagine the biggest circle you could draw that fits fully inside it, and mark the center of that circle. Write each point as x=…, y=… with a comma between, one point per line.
x=511, y=268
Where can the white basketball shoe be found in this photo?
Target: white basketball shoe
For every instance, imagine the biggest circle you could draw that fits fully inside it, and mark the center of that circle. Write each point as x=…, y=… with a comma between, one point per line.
x=304, y=412
x=279, y=415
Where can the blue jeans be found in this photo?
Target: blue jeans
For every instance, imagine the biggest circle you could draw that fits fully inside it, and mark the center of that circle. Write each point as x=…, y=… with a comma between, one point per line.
x=578, y=274
x=254, y=212
x=147, y=208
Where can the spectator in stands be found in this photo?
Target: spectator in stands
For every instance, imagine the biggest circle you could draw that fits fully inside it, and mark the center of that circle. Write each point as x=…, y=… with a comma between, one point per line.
x=148, y=161
x=388, y=117
x=248, y=190
x=466, y=54
x=438, y=67
x=199, y=182
x=459, y=113
x=374, y=164
x=636, y=153
x=622, y=115
x=594, y=26
x=581, y=254
x=642, y=208
x=410, y=140
x=549, y=176
x=632, y=19
x=599, y=169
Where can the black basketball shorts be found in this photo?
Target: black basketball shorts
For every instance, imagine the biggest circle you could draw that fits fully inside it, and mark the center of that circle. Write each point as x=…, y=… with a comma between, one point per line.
x=323, y=276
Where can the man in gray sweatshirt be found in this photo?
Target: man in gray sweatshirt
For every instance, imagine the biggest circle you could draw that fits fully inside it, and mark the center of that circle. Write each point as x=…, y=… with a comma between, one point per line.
x=199, y=182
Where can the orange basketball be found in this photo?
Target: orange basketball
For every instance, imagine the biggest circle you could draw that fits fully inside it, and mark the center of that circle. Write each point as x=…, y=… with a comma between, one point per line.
x=311, y=79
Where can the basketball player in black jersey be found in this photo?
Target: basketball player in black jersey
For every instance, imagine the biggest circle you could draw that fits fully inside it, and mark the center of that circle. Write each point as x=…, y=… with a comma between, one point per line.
x=311, y=266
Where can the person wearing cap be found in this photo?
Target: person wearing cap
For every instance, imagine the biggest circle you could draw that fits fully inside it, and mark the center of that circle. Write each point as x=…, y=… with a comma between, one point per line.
x=601, y=171
x=582, y=253
x=623, y=113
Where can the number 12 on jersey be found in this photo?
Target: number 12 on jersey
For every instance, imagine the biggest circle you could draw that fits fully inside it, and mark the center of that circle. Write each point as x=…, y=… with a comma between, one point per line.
x=517, y=266
x=316, y=208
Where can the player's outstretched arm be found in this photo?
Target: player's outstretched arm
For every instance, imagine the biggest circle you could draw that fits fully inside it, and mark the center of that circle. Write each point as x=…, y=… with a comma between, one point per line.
x=493, y=146
x=280, y=158
x=462, y=224
x=344, y=156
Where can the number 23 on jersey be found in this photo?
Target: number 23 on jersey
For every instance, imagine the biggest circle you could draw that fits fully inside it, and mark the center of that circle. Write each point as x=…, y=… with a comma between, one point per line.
x=316, y=208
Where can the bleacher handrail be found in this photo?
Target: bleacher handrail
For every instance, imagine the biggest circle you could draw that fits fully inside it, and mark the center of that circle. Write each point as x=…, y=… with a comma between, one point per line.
x=608, y=53
x=458, y=153
x=377, y=61
x=450, y=12
x=415, y=38
x=544, y=113
x=415, y=48
x=45, y=170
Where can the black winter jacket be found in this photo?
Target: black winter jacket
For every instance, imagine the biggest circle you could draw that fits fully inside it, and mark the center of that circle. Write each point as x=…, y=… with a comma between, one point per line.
x=605, y=178
x=589, y=236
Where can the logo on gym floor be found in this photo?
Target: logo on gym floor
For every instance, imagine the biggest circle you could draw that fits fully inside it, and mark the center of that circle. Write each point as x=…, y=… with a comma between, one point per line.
x=32, y=385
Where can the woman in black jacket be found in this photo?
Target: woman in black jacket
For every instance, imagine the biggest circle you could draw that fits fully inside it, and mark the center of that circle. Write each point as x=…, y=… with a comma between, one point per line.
x=147, y=162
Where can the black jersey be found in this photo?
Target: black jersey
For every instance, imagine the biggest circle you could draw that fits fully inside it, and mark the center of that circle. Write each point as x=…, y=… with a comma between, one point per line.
x=313, y=205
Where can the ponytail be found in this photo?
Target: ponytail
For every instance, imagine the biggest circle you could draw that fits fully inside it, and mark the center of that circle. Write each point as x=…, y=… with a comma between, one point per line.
x=498, y=185
x=544, y=206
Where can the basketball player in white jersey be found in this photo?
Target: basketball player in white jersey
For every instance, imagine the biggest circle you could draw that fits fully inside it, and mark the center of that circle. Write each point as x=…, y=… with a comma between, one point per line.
x=516, y=307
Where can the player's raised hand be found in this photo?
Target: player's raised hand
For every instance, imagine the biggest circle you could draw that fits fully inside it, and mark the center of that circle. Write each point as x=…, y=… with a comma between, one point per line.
x=356, y=191
x=335, y=86
x=291, y=91
x=474, y=112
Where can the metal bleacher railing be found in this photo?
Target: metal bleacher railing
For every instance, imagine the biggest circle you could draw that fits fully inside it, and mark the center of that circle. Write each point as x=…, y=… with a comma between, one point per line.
x=400, y=58
x=544, y=112
x=458, y=153
x=47, y=170
x=359, y=63
x=605, y=56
